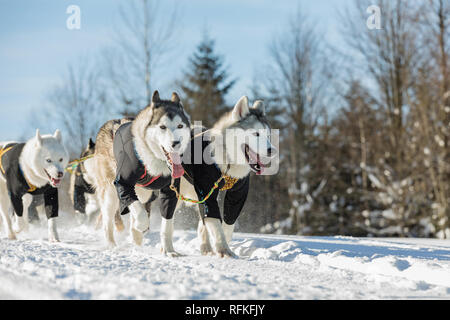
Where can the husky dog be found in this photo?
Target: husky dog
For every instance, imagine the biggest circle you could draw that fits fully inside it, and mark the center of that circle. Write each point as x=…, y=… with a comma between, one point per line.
x=81, y=184
x=133, y=156
x=31, y=168
x=82, y=191
x=239, y=143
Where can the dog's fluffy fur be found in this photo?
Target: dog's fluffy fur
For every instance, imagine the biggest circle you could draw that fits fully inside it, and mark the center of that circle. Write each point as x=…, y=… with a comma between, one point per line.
x=231, y=158
x=149, y=138
x=39, y=171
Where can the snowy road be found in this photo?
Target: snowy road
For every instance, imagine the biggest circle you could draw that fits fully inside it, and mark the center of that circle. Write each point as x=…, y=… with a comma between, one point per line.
x=269, y=267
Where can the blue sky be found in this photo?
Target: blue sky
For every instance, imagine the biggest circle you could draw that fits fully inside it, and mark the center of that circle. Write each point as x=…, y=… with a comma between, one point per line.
x=36, y=47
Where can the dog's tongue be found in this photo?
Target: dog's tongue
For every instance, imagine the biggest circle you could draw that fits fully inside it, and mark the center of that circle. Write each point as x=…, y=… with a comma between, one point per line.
x=261, y=169
x=177, y=168
x=56, y=182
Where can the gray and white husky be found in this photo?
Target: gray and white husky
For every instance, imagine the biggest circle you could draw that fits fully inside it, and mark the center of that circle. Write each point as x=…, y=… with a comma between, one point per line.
x=239, y=143
x=32, y=168
x=133, y=157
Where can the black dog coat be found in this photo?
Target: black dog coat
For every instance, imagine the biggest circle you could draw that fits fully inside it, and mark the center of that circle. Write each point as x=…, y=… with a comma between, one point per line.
x=80, y=188
x=17, y=185
x=203, y=176
x=131, y=172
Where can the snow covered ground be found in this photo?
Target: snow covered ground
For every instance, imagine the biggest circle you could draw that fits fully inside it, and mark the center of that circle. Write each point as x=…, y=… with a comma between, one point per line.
x=269, y=267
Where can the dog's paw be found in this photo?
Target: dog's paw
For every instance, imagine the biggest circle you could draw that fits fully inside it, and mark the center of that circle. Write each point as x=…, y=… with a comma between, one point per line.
x=138, y=236
x=12, y=236
x=205, y=249
x=226, y=253
x=110, y=245
x=19, y=225
x=171, y=253
x=54, y=240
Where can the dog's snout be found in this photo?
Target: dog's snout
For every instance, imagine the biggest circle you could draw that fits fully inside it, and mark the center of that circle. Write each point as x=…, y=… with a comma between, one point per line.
x=60, y=174
x=271, y=151
x=175, y=143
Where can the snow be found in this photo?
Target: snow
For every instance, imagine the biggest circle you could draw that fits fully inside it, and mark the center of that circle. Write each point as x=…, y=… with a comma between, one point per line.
x=268, y=267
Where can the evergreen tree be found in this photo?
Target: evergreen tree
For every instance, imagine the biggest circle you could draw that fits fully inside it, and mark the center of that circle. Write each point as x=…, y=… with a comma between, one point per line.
x=205, y=84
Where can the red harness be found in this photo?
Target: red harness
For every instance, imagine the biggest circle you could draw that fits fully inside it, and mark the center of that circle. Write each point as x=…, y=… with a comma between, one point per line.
x=148, y=183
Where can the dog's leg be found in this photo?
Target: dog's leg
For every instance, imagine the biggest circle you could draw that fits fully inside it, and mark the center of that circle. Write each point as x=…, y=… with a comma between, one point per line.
x=108, y=211
x=4, y=211
x=52, y=232
x=205, y=245
x=118, y=222
x=98, y=222
x=91, y=207
x=137, y=236
x=26, y=199
x=19, y=224
x=215, y=230
x=228, y=230
x=140, y=221
x=166, y=235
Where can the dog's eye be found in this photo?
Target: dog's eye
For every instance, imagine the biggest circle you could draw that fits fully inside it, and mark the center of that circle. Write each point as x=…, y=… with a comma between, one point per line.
x=256, y=134
x=163, y=127
x=49, y=160
x=61, y=160
x=180, y=126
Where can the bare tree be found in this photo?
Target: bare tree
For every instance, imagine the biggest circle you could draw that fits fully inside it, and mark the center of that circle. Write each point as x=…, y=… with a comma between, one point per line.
x=77, y=106
x=145, y=38
x=295, y=84
x=430, y=102
x=387, y=57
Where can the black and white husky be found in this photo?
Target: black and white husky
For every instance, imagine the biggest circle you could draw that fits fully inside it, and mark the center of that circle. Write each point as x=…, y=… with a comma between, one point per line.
x=132, y=156
x=239, y=143
x=32, y=168
x=82, y=190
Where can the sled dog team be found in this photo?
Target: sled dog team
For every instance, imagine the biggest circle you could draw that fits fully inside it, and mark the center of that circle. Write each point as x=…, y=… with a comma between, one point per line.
x=158, y=150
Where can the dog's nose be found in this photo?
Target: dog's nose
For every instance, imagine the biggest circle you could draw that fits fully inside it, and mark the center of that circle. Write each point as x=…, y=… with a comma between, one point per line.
x=60, y=174
x=271, y=151
x=175, y=143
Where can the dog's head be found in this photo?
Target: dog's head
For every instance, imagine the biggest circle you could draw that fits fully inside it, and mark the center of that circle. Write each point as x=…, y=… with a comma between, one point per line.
x=49, y=157
x=86, y=168
x=248, y=139
x=165, y=128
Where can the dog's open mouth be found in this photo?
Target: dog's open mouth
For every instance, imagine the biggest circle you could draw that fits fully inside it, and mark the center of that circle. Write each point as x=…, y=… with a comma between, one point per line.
x=55, y=182
x=174, y=159
x=253, y=160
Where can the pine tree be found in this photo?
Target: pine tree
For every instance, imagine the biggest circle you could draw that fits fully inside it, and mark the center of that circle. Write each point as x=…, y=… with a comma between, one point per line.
x=205, y=84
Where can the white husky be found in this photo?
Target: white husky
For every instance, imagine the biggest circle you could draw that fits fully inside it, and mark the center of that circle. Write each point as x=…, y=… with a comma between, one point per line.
x=239, y=143
x=31, y=168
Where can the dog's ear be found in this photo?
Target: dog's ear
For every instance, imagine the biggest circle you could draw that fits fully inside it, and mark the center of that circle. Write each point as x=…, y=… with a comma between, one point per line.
x=155, y=96
x=91, y=144
x=175, y=98
x=57, y=135
x=259, y=105
x=38, y=138
x=241, y=109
